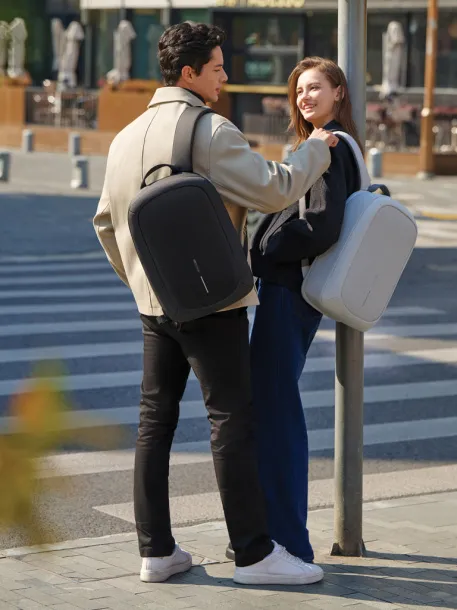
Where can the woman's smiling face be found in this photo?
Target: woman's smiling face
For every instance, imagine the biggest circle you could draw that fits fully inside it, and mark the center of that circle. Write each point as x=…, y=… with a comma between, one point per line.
x=316, y=97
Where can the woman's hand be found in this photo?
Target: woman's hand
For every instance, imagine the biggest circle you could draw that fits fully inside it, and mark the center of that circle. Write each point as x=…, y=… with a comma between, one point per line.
x=327, y=136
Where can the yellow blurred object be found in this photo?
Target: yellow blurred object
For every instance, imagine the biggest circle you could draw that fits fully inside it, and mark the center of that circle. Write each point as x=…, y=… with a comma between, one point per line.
x=40, y=414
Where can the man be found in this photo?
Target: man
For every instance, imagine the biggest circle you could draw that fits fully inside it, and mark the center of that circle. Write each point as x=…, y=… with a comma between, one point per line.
x=215, y=347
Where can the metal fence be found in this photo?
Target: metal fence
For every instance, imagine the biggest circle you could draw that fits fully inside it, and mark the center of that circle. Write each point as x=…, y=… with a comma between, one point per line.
x=266, y=127
x=75, y=108
x=388, y=127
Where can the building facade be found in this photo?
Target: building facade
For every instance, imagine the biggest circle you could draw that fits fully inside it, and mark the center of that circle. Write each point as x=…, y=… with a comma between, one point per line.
x=37, y=15
x=265, y=37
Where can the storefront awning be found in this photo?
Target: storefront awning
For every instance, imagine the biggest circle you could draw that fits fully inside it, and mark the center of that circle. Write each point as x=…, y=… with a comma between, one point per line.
x=117, y=4
x=385, y=5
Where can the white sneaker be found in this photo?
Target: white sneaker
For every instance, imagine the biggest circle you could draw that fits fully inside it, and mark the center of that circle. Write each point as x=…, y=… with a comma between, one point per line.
x=279, y=568
x=158, y=569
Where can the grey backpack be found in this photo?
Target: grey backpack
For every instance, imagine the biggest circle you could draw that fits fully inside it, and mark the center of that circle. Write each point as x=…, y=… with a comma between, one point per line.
x=189, y=249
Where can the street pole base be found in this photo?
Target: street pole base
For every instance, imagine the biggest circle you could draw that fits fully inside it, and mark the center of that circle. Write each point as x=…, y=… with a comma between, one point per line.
x=359, y=551
x=425, y=175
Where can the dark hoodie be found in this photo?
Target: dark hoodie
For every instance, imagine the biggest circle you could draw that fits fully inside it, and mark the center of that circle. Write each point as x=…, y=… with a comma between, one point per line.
x=283, y=239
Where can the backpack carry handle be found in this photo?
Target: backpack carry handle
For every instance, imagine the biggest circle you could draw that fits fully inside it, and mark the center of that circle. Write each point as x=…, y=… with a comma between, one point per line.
x=174, y=170
x=380, y=187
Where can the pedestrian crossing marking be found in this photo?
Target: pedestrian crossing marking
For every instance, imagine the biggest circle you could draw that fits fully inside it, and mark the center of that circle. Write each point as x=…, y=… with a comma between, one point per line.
x=88, y=278
x=203, y=507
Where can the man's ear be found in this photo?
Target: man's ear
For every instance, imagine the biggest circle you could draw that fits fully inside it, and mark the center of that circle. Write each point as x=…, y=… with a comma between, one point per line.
x=187, y=73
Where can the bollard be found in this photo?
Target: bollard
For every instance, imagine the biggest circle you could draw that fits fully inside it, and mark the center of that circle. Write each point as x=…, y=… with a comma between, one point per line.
x=27, y=141
x=74, y=144
x=80, y=173
x=375, y=163
x=5, y=161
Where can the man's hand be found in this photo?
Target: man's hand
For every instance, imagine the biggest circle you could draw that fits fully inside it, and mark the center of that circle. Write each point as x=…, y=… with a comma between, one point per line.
x=328, y=137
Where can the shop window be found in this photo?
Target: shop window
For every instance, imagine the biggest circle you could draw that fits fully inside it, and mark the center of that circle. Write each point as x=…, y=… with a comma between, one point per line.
x=446, y=69
x=148, y=29
x=322, y=34
x=262, y=48
x=62, y=7
x=108, y=20
x=377, y=24
x=197, y=15
x=417, y=41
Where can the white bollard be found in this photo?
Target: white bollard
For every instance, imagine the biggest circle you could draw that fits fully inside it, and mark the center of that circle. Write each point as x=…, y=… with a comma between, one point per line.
x=80, y=173
x=5, y=164
x=74, y=144
x=27, y=141
x=375, y=162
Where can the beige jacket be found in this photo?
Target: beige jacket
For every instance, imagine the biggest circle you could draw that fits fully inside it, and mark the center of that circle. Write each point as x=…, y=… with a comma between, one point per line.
x=244, y=179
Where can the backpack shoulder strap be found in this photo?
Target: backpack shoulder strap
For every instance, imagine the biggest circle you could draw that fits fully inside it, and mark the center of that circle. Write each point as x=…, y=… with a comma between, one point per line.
x=183, y=141
x=365, y=180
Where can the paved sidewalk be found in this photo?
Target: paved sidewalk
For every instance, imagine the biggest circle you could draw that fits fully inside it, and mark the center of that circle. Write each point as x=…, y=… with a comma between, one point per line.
x=411, y=563
x=51, y=173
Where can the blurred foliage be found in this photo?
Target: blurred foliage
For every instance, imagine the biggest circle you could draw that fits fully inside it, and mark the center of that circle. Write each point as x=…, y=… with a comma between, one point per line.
x=40, y=423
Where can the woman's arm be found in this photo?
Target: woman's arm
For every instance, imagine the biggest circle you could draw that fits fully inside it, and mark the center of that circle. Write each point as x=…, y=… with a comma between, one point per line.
x=320, y=228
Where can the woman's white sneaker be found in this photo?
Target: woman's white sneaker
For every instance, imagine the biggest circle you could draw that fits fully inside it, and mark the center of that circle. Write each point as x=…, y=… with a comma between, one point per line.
x=279, y=568
x=159, y=569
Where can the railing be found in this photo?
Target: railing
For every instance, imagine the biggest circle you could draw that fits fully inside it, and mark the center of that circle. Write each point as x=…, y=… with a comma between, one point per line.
x=266, y=127
x=388, y=127
x=398, y=128
x=74, y=108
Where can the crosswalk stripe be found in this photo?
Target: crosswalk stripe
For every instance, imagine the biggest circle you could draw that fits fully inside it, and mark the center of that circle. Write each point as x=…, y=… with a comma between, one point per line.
x=387, y=332
x=70, y=352
x=55, y=308
x=50, y=268
x=113, y=325
x=373, y=434
x=53, y=328
x=40, y=259
x=313, y=365
x=311, y=399
x=20, y=310
x=204, y=507
x=414, y=310
x=97, y=462
x=195, y=452
x=64, y=292
x=88, y=278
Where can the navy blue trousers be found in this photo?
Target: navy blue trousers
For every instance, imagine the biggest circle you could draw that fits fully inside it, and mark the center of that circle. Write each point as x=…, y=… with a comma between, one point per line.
x=283, y=330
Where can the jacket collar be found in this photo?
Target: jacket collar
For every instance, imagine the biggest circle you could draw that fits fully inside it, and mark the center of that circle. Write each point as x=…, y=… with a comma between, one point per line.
x=333, y=126
x=165, y=95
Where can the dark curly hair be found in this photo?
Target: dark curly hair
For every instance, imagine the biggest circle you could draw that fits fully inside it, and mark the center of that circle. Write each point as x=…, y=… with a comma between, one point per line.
x=187, y=44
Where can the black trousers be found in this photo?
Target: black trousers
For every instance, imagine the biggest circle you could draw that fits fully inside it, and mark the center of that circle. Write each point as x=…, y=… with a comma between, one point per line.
x=217, y=349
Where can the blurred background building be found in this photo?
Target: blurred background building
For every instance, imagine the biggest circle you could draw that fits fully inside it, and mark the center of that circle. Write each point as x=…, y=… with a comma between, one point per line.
x=265, y=39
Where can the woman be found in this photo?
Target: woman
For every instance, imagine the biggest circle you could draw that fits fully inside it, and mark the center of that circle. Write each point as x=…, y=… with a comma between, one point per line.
x=285, y=324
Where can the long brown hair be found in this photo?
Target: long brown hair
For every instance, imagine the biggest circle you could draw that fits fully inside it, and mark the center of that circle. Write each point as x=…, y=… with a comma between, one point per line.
x=343, y=109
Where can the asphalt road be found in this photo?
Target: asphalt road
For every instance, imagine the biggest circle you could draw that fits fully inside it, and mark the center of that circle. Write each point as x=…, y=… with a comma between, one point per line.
x=59, y=297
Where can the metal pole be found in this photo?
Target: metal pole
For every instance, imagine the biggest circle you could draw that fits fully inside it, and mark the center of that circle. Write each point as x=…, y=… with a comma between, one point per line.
x=426, y=161
x=349, y=342
x=122, y=11
x=88, y=47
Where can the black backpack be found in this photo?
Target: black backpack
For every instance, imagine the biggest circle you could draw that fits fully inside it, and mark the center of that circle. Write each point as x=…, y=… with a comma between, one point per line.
x=186, y=242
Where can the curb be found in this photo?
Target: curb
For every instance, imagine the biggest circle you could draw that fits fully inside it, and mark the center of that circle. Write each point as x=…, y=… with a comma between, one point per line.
x=81, y=543
x=437, y=215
